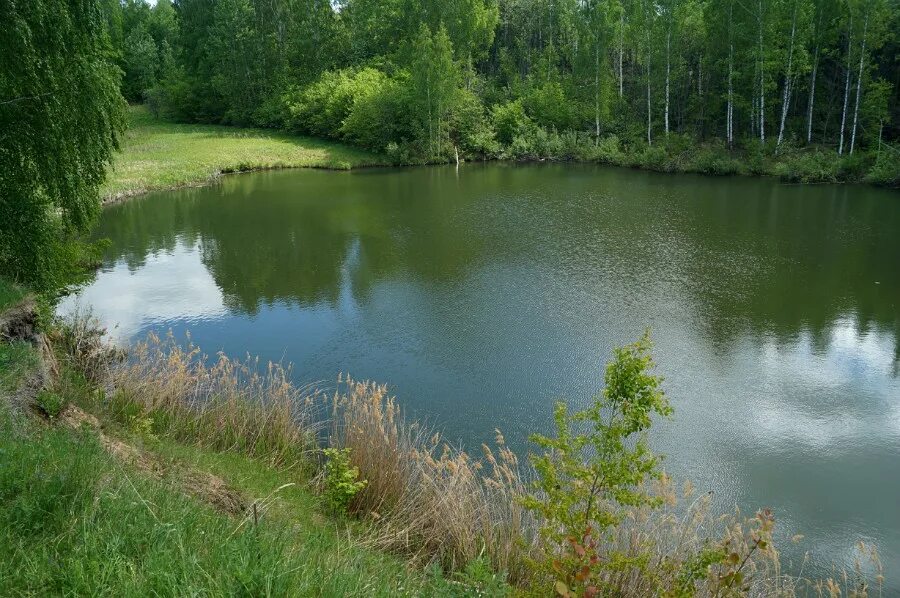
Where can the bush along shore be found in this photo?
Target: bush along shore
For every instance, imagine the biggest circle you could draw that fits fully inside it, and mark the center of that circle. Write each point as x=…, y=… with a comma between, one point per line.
x=275, y=489
x=160, y=155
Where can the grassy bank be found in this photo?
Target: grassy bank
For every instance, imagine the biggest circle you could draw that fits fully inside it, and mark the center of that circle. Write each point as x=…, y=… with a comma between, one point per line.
x=159, y=155
x=99, y=503
x=172, y=473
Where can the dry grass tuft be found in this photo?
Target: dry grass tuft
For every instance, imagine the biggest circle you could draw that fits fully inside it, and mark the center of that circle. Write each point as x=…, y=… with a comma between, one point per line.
x=222, y=404
x=426, y=498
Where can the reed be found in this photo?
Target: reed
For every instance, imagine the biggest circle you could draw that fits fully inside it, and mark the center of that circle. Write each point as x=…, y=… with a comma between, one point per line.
x=219, y=403
x=425, y=497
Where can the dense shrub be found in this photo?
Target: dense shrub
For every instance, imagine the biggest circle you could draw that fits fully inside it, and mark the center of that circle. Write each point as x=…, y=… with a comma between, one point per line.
x=381, y=116
x=469, y=127
x=609, y=150
x=510, y=121
x=713, y=159
x=653, y=157
x=854, y=167
x=549, y=107
x=808, y=167
x=322, y=107
x=886, y=170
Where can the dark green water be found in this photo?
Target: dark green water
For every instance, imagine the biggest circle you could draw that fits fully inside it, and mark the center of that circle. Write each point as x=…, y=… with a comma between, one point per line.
x=482, y=295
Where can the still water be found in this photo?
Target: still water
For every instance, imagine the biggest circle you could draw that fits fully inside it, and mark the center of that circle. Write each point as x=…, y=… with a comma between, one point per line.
x=483, y=294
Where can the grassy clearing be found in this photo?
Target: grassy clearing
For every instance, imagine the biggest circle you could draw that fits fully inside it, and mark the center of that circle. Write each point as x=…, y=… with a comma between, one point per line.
x=160, y=155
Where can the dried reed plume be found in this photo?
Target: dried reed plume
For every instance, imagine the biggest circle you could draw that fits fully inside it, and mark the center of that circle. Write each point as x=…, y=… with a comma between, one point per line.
x=223, y=404
x=426, y=498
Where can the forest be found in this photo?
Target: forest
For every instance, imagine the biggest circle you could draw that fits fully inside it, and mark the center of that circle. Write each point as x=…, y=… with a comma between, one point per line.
x=707, y=85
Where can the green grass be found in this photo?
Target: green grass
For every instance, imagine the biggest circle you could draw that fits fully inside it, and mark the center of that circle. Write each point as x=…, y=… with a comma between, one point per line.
x=10, y=294
x=77, y=522
x=158, y=154
x=16, y=361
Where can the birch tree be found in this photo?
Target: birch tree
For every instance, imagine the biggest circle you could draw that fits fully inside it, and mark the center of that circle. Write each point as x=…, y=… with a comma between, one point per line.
x=847, y=79
x=788, y=75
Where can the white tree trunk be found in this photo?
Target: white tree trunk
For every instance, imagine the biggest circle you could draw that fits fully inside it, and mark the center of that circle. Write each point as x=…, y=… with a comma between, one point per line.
x=597, y=88
x=647, y=66
x=729, y=117
x=621, y=49
x=859, y=78
x=649, y=140
x=812, y=95
x=668, y=55
x=786, y=96
x=762, y=79
x=846, y=85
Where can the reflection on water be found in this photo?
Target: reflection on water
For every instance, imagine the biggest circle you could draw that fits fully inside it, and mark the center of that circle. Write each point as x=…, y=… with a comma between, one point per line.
x=483, y=295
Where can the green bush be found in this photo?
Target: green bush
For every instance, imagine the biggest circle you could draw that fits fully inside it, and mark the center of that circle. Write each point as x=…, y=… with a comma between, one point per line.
x=342, y=481
x=854, y=167
x=548, y=106
x=886, y=170
x=469, y=128
x=653, y=157
x=380, y=116
x=510, y=121
x=609, y=150
x=714, y=159
x=808, y=167
x=321, y=108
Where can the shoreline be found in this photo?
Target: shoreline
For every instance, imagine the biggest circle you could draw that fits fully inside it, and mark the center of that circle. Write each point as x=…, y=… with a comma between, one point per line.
x=159, y=155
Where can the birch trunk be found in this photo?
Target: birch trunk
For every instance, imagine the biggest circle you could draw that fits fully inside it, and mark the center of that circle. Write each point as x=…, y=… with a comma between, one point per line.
x=762, y=79
x=668, y=56
x=649, y=140
x=862, y=55
x=729, y=117
x=846, y=86
x=597, y=89
x=647, y=67
x=786, y=97
x=621, y=49
x=812, y=82
x=812, y=95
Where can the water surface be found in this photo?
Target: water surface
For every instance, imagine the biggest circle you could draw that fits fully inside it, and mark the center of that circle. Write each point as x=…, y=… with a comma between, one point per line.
x=481, y=295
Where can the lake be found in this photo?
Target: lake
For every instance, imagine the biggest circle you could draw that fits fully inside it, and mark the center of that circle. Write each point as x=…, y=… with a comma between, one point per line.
x=484, y=293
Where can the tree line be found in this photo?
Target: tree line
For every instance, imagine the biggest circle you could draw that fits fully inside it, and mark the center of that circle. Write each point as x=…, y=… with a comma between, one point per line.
x=705, y=85
x=430, y=79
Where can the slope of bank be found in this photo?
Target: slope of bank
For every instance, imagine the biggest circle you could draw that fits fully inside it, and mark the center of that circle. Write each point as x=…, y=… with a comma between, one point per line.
x=97, y=503
x=159, y=155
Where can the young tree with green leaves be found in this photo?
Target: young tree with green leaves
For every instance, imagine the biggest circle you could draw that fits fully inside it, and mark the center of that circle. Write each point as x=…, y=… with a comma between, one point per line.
x=433, y=76
x=596, y=465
